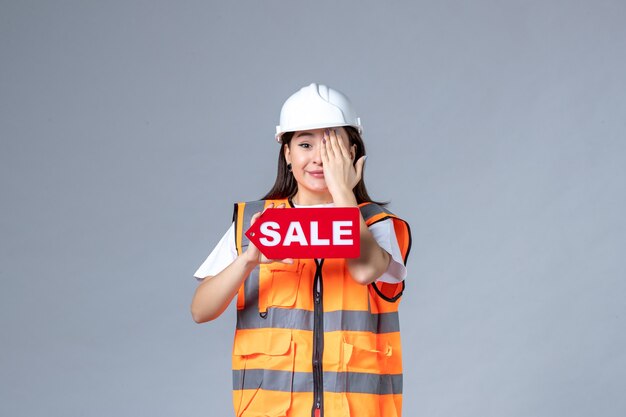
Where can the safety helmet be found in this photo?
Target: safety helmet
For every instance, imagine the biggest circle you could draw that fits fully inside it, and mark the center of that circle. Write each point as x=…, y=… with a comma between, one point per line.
x=316, y=106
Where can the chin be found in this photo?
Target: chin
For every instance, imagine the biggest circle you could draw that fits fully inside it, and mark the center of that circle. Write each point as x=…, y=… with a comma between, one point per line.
x=319, y=188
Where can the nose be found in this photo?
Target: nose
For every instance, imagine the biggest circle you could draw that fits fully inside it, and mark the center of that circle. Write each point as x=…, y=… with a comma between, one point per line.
x=317, y=156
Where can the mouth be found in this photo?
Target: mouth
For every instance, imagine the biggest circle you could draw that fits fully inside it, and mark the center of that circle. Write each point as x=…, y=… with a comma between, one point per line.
x=316, y=174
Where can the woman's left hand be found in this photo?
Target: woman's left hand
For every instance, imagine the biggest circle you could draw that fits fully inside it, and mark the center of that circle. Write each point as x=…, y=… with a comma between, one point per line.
x=340, y=172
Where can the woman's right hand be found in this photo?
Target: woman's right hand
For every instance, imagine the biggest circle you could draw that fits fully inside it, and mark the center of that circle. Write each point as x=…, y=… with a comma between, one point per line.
x=253, y=254
x=214, y=294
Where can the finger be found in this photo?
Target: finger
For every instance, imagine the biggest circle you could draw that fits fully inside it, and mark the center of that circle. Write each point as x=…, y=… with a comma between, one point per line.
x=259, y=214
x=324, y=151
x=335, y=142
x=342, y=148
x=269, y=206
x=281, y=205
x=330, y=146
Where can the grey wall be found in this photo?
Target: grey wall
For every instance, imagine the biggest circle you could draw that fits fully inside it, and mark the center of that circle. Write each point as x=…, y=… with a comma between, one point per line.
x=128, y=129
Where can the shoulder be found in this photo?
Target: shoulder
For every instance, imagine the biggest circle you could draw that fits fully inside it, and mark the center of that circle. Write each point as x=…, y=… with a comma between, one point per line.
x=242, y=216
x=373, y=212
x=247, y=209
x=260, y=203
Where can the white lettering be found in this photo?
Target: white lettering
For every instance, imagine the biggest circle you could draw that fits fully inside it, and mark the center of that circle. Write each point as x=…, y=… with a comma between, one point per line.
x=338, y=232
x=315, y=240
x=295, y=234
x=267, y=229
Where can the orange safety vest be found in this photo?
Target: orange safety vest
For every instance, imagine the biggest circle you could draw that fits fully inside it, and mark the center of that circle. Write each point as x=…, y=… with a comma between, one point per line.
x=312, y=341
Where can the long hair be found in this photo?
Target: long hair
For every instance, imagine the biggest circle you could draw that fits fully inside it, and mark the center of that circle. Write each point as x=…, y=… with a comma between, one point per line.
x=287, y=187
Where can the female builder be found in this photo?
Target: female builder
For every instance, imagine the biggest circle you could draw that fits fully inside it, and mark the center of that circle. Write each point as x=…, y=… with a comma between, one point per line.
x=314, y=337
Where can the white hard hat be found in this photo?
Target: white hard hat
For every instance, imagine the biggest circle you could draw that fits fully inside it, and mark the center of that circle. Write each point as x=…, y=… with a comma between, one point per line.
x=316, y=106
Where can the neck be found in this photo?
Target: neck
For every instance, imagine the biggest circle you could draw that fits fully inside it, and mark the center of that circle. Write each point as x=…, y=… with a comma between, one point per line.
x=308, y=199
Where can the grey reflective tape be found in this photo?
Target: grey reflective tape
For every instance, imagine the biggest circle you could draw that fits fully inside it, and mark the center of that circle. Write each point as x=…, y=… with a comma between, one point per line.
x=276, y=318
x=251, y=291
x=251, y=285
x=273, y=380
x=371, y=210
x=360, y=382
x=250, y=209
x=361, y=321
x=287, y=381
x=348, y=320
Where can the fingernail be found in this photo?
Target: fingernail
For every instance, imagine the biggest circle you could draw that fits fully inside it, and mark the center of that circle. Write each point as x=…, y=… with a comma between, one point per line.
x=323, y=140
x=327, y=132
x=365, y=158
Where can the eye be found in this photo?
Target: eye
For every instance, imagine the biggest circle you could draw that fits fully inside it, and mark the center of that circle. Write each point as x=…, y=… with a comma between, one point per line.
x=305, y=145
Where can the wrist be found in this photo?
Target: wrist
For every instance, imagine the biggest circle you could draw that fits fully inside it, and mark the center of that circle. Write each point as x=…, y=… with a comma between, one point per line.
x=344, y=197
x=247, y=262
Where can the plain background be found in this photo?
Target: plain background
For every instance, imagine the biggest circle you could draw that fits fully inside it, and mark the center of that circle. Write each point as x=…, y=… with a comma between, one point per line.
x=496, y=128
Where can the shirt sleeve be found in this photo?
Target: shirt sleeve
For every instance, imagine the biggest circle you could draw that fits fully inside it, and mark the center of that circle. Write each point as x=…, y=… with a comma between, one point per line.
x=222, y=255
x=385, y=236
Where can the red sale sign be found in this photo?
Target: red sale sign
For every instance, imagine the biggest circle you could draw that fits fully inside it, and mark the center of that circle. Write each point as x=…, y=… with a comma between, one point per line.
x=332, y=232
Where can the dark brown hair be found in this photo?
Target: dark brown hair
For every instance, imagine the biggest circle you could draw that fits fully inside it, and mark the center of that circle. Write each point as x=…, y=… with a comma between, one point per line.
x=286, y=185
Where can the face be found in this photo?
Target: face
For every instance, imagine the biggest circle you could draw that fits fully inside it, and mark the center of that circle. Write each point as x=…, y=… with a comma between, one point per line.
x=303, y=153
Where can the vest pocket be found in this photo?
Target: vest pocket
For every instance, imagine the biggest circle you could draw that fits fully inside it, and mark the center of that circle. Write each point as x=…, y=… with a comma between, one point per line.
x=365, y=357
x=366, y=372
x=264, y=384
x=279, y=285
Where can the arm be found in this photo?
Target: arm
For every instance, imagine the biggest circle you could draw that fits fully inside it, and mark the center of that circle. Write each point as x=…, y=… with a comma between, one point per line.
x=214, y=293
x=374, y=260
x=341, y=178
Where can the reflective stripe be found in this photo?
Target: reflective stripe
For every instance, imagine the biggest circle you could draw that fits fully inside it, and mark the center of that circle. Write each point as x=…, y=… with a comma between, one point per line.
x=355, y=382
x=250, y=209
x=273, y=380
x=348, y=320
x=361, y=321
x=251, y=285
x=251, y=290
x=364, y=383
x=371, y=210
x=276, y=318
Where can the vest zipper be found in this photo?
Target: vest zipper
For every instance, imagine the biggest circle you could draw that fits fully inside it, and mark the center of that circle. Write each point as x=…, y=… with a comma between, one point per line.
x=318, y=342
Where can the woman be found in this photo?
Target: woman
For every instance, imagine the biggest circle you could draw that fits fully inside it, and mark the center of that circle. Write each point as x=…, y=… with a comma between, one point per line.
x=314, y=336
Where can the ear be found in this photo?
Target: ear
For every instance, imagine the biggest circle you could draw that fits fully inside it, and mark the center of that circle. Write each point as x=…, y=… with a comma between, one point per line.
x=287, y=153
